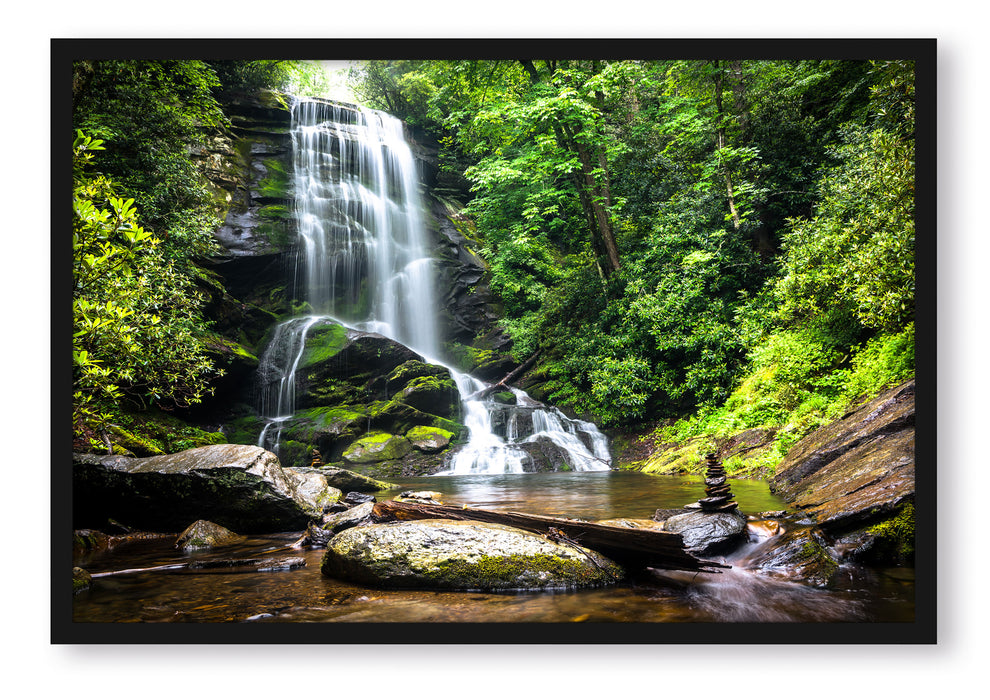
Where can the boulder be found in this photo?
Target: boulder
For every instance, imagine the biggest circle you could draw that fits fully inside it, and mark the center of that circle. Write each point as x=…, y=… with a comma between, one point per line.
x=320, y=535
x=81, y=579
x=338, y=522
x=429, y=440
x=799, y=554
x=462, y=555
x=241, y=487
x=346, y=480
x=203, y=534
x=856, y=471
x=708, y=533
x=377, y=447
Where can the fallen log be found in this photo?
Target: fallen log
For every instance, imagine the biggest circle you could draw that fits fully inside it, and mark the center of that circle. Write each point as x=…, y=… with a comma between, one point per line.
x=504, y=381
x=632, y=548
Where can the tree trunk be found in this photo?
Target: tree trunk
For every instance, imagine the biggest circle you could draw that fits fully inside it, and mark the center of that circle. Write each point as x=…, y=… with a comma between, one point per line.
x=720, y=144
x=595, y=195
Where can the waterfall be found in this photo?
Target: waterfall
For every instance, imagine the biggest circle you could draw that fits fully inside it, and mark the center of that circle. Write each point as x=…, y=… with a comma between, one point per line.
x=363, y=260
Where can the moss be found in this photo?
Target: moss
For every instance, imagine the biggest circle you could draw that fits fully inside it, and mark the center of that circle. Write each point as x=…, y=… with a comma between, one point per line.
x=81, y=579
x=322, y=343
x=678, y=458
x=377, y=447
x=468, y=358
x=422, y=432
x=244, y=430
x=895, y=537
x=134, y=444
x=411, y=369
x=277, y=183
x=155, y=432
x=490, y=572
x=506, y=397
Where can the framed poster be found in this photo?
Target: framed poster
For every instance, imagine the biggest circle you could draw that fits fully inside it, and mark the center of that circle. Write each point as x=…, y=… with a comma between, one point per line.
x=557, y=341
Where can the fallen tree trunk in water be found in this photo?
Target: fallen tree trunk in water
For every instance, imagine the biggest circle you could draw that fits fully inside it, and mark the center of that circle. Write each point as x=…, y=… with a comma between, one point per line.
x=630, y=547
x=504, y=381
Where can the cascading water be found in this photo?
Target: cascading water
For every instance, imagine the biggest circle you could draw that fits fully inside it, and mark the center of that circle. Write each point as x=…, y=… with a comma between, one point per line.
x=363, y=261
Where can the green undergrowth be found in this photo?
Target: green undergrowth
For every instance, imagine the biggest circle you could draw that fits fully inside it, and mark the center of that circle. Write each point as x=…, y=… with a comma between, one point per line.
x=156, y=432
x=795, y=385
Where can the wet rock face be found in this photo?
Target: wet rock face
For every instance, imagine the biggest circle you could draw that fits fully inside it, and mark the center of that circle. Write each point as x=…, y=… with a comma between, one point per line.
x=255, y=171
x=800, y=555
x=855, y=471
x=241, y=487
x=455, y=555
x=708, y=533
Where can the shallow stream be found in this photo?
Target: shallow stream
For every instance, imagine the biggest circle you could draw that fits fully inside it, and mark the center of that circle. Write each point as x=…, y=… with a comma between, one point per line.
x=305, y=595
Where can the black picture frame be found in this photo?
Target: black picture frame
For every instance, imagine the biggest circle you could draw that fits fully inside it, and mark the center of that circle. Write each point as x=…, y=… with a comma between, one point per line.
x=922, y=51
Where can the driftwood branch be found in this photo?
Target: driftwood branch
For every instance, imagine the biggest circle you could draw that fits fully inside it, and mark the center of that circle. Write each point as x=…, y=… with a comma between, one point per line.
x=504, y=381
x=630, y=547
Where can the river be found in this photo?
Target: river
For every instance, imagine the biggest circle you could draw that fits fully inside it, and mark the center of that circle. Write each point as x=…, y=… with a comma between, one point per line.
x=303, y=594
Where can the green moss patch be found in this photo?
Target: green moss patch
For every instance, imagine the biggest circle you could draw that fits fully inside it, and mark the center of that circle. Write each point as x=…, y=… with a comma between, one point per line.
x=323, y=342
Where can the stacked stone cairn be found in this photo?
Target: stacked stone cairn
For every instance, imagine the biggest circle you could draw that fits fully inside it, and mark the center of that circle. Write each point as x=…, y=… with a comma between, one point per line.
x=717, y=495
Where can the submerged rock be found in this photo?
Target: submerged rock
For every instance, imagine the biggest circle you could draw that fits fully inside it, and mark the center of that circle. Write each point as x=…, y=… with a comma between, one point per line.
x=457, y=555
x=241, y=487
x=800, y=554
x=81, y=579
x=708, y=533
x=203, y=534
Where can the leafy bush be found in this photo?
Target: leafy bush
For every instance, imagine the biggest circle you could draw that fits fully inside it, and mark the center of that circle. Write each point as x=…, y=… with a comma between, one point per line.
x=135, y=314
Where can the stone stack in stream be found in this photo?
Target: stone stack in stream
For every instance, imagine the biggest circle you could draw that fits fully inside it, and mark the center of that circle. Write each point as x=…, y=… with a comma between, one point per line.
x=717, y=494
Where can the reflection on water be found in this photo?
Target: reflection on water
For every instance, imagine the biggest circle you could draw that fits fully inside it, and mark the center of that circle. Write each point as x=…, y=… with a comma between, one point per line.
x=305, y=595
x=585, y=495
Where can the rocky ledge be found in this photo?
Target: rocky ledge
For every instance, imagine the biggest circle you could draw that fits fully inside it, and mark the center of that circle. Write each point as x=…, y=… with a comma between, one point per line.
x=854, y=478
x=241, y=487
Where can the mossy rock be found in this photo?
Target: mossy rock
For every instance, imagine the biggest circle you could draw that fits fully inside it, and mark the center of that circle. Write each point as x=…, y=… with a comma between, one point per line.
x=377, y=447
x=429, y=439
x=433, y=394
x=323, y=342
x=320, y=424
x=204, y=535
x=81, y=579
x=506, y=397
x=456, y=555
x=412, y=369
x=893, y=539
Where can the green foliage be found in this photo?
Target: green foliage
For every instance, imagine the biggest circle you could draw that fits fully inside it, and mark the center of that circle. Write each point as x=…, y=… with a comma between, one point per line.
x=135, y=314
x=151, y=116
x=762, y=210
x=858, y=250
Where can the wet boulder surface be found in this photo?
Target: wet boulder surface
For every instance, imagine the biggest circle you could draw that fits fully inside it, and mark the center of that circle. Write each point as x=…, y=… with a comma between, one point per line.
x=708, y=533
x=241, y=487
x=460, y=555
x=858, y=471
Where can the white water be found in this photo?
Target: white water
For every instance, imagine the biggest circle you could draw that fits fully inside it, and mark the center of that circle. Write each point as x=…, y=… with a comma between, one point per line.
x=364, y=261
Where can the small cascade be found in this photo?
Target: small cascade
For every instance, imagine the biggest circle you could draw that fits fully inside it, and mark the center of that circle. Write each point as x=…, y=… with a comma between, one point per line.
x=277, y=378
x=363, y=261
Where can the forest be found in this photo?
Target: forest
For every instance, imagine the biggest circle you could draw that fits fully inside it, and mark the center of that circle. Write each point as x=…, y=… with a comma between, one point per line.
x=689, y=249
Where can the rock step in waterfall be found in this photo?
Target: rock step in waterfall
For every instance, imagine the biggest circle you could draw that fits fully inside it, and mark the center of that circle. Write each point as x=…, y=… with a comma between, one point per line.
x=363, y=262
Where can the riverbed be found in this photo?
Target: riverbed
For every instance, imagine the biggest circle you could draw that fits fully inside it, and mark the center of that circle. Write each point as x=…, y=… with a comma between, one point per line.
x=121, y=592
